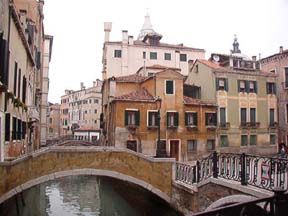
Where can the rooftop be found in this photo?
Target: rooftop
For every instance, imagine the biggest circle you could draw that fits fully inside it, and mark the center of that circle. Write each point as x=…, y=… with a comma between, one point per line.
x=139, y=95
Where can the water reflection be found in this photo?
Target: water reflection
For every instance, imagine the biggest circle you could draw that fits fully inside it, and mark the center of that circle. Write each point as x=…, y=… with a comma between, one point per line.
x=85, y=195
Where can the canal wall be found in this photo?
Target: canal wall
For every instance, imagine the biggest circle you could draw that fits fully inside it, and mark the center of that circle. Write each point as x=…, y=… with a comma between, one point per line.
x=154, y=174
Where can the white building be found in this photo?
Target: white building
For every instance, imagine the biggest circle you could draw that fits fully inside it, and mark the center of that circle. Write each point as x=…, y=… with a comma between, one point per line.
x=127, y=56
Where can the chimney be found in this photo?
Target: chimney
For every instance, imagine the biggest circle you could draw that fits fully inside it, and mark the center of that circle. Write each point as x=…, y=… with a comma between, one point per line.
x=107, y=30
x=41, y=5
x=94, y=83
x=125, y=37
x=82, y=86
x=130, y=40
x=254, y=58
x=281, y=49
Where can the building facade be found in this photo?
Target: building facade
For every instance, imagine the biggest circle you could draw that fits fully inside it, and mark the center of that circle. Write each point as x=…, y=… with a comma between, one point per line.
x=246, y=99
x=125, y=57
x=81, y=108
x=21, y=68
x=130, y=116
x=278, y=64
x=53, y=121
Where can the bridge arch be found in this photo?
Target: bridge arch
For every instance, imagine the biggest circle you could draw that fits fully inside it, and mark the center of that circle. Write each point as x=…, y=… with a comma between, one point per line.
x=230, y=200
x=87, y=172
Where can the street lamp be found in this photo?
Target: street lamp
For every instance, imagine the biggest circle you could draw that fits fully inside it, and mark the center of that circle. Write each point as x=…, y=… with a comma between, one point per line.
x=158, y=150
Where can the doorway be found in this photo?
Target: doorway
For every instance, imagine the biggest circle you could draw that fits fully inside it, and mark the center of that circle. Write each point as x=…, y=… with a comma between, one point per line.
x=174, y=149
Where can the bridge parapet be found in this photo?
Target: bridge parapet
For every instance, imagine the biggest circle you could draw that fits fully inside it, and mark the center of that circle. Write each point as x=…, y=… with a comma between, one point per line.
x=155, y=174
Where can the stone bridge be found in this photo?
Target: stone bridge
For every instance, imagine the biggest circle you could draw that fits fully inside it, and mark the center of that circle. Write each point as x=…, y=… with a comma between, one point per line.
x=189, y=188
x=154, y=174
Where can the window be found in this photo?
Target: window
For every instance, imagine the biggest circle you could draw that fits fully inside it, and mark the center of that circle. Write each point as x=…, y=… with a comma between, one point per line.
x=191, y=119
x=253, y=139
x=272, y=139
x=95, y=121
x=286, y=77
x=222, y=116
x=132, y=117
x=223, y=140
x=117, y=53
x=50, y=130
x=153, y=55
x=14, y=128
x=191, y=145
x=183, y=57
x=252, y=86
x=169, y=87
x=50, y=120
x=152, y=118
x=244, y=140
x=287, y=113
x=271, y=88
x=15, y=77
x=167, y=56
x=95, y=111
x=144, y=55
x=243, y=116
x=273, y=71
x=7, y=126
x=272, y=117
x=222, y=84
x=210, y=119
x=132, y=145
x=210, y=145
x=172, y=119
x=96, y=101
x=252, y=115
x=241, y=86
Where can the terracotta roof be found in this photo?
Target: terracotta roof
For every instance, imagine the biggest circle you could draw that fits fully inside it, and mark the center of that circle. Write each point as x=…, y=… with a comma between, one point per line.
x=274, y=55
x=130, y=78
x=138, y=95
x=194, y=101
x=233, y=70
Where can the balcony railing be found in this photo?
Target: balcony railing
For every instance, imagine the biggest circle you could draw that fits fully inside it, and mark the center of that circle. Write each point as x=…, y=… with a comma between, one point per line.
x=250, y=125
x=224, y=125
x=273, y=125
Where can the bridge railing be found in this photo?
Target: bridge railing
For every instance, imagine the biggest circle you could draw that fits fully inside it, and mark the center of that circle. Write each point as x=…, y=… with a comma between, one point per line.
x=275, y=205
x=66, y=138
x=260, y=171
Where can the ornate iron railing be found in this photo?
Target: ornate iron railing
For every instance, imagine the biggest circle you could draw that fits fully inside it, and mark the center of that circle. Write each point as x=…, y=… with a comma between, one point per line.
x=259, y=171
x=275, y=205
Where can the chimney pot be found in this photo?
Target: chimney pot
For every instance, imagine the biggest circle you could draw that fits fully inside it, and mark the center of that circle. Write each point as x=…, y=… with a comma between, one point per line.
x=281, y=49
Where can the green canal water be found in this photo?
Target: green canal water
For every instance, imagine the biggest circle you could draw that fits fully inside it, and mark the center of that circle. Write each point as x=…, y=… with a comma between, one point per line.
x=87, y=196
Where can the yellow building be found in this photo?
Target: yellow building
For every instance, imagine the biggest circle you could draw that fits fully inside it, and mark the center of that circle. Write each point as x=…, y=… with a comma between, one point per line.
x=130, y=116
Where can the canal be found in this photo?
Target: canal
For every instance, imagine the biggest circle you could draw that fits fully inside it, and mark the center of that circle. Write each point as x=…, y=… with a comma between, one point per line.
x=86, y=195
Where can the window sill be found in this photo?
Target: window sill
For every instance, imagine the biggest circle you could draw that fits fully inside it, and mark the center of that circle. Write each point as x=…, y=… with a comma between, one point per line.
x=152, y=127
x=192, y=127
x=172, y=127
x=131, y=127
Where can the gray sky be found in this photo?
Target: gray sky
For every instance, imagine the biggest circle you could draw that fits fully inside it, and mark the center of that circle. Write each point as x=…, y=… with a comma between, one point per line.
x=77, y=26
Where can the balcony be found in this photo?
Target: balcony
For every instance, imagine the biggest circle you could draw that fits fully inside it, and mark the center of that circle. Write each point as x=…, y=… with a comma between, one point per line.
x=273, y=125
x=192, y=127
x=211, y=126
x=33, y=113
x=224, y=125
x=253, y=125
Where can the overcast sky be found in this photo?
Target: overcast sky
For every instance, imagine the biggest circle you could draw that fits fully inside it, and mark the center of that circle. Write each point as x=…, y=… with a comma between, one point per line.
x=77, y=26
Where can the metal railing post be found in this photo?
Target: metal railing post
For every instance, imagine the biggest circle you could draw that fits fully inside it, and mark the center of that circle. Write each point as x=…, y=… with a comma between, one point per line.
x=243, y=169
x=215, y=164
x=198, y=171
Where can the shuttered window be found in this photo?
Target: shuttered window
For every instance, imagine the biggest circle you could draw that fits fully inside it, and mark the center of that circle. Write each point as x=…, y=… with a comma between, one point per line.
x=244, y=140
x=117, y=53
x=253, y=139
x=210, y=119
x=243, y=115
x=252, y=114
x=271, y=88
x=222, y=84
x=172, y=119
x=152, y=118
x=132, y=117
x=286, y=77
x=7, y=126
x=191, y=119
x=191, y=145
x=153, y=55
x=223, y=140
x=169, y=86
x=14, y=128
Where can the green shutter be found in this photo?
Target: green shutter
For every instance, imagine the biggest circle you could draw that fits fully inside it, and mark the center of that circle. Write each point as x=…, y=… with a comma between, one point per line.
x=195, y=119
x=255, y=87
x=7, y=127
x=186, y=118
x=226, y=85
x=247, y=87
x=137, y=118
x=217, y=84
x=176, y=119
x=267, y=88
x=126, y=117
x=167, y=117
x=206, y=118
x=169, y=87
x=274, y=88
x=238, y=81
x=215, y=118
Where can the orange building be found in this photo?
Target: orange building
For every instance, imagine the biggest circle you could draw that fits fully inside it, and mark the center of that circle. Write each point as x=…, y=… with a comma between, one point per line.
x=130, y=116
